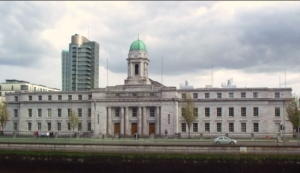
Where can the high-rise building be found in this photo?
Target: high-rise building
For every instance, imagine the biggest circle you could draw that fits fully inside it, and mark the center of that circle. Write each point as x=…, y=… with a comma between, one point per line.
x=80, y=65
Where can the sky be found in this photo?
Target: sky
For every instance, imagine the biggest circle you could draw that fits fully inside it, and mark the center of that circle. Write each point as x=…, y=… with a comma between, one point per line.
x=205, y=42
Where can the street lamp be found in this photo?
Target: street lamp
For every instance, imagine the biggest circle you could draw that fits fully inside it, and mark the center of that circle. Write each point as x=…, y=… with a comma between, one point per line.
x=283, y=121
x=94, y=116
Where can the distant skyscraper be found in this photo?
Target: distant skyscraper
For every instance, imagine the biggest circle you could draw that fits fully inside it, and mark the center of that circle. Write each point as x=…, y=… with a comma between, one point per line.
x=80, y=65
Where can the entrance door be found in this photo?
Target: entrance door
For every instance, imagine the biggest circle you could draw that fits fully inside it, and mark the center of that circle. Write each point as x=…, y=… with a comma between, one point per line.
x=151, y=128
x=117, y=128
x=133, y=128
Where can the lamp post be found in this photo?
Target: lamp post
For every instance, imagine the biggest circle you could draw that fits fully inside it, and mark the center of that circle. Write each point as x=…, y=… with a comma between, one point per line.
x=94, y=117
x=283, y=121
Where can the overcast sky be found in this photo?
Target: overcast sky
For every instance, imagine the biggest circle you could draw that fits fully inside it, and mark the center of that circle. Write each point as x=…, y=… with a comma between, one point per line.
x=251, y=42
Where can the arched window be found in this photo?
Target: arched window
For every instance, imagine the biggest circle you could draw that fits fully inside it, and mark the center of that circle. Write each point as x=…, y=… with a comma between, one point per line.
x=136, y=69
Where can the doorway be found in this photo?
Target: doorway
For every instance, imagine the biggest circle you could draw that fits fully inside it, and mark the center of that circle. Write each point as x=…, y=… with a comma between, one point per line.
x=151, y=128
x=133, y=128
x=117, y=128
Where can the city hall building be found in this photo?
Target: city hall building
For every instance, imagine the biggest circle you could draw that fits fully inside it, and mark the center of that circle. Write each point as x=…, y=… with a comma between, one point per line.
x=149, y=108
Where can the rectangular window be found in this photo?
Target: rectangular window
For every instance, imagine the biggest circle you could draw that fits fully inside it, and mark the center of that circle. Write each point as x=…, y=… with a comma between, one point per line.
x=207, y=127
x=134, y=112
x=243, y=111
x=207, y=112
x=195, y=95
x=219, y=127
x=29, y=126
x=79, y=97
x=49, y=126
x=196, y=112
x=169, y=119
x=16, y=112
x=231, y=127
x=219, y=112
x=79, y=127
x=69, y=112
x=15, y=126
x=117, y=112
x=40, y=97
x=49, y=113
x=59, y=113
x=58, y=126
x=29, y=98
x=255, y=127
x=243, y=127
x=255, y=94
x=243, y=95
x=231, y=112
x=219, y=95
x=255, y=111
x=183, y=127
x=277, y=95
x=16, y=98
x=277, y=112
x=89, y=113
x=69, y=126
x=49, y=97
x=182, y=112
x=90, y=97
x=183, y=95
x=79, y=112
x=39, y=126
x=207, y=95
x=231, y=95
x=39, y=113
x=195, y=127
x=29, y=113
x=89, y=125
x=59, y=97
x=69, y=97
x=152, y=113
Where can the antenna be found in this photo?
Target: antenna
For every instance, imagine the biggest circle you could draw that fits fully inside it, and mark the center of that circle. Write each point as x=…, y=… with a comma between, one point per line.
x=212, y=73
x=107, y=72
x=162, y=71
x=279, y=82
x=285, y=78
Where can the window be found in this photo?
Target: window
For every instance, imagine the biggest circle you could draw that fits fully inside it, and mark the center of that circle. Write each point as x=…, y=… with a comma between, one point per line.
x=49, y=113
x=243, y=127
x=15, y=126
x=69, y=112
x=59, y=97
x=255, y=94
x=196, y=112
x=29, y=113
x=231, y=95
x=49, y=126
x=207, y=95
x=79, y=112
x=219, y=112
x=219, y=127
x=69, y=97
x=207, y=112
x=195, y=127
x=40, y=97
x=255, y=127
x=277, y=95
x=58, y=126
x=16, y=112
x=117, y=112
x=183, y=127
x=243, y=95
x=89, y=113
x=16, y=98
x=255, y=111
x=152, y=113
x=183, y=95
x=134, y=112
x=136, y=69
x=182, y=112
x=169, y=119
x=207, y=127
x=231, y=127
x=79, y=127
x=90, y=97
x=39, y=126
x=277, y=112
x=231, y=112
x=69, y=127
x=49, y=97
x=29, y=98
x=243, y=111
x=195, y=95
x=79, y=97
x=39, y=113
x=219, y=95
x=59, y=113
x=29, y=126
x=89, y=125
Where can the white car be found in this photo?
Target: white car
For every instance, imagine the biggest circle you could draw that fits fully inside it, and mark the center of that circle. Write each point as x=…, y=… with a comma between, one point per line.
x=224, y=140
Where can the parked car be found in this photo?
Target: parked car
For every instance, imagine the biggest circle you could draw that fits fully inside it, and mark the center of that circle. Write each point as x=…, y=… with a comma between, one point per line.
x=224, y=140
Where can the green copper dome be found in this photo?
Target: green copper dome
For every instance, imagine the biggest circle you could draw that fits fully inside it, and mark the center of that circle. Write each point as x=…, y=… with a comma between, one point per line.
x=138, y=45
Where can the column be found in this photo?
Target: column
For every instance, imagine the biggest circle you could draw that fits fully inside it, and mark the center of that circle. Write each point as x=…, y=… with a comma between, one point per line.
x=157, y=121
x=139, y=120
x=145, y=125
x=126, y=121
x=122, y=121
x=109, y=121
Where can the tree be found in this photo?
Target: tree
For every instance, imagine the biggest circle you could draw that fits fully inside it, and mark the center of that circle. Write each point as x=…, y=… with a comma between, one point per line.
x=4, y=115
x=73, y=120
x=189, y=112
x=293, y=112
